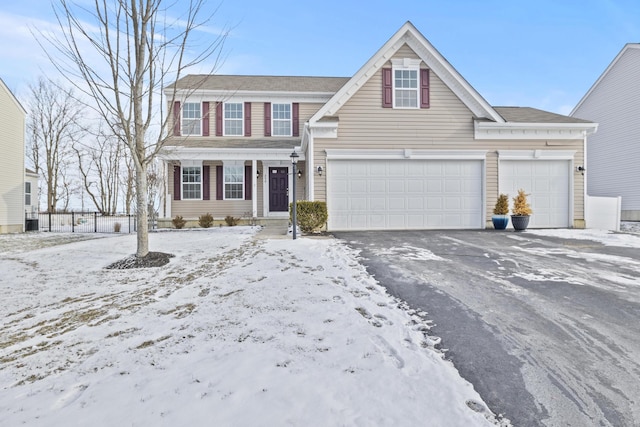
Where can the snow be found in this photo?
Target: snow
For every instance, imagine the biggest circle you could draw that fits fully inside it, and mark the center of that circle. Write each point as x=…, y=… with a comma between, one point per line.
x=630, y=237
x=234, y=331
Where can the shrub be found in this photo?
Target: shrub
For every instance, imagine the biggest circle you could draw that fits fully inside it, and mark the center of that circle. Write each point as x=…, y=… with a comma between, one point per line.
x=502, y=205
x=116, y=227
x=231, y=221
x=311, y=216
x=178, y=222
x=205, y=220
x=521, y=205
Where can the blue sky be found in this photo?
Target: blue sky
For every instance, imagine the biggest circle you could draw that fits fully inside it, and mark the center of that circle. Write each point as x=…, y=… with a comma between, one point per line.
x=543, y=53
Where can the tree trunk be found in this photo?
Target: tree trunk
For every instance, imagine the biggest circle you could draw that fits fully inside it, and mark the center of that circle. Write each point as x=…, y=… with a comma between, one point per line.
x=141, y=214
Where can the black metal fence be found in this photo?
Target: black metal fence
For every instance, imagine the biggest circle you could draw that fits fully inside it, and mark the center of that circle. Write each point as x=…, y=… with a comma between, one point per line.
x=82, y=222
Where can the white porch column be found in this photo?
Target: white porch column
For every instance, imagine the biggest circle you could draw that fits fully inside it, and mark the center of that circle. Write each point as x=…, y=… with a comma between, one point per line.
x=254, y=191
x=166, y=197
x=311, y=175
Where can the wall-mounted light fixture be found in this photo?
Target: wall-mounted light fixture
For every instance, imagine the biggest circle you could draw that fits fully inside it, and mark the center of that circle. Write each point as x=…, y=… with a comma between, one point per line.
x=319, y=170
x=581, y=169
x=258, y=173
x=299, y=174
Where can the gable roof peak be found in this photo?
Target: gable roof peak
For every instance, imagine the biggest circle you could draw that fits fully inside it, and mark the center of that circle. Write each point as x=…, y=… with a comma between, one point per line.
x=409, y=34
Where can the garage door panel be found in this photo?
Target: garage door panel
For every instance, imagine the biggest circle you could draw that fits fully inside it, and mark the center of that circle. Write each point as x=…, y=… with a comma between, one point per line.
x=416, y=203
x=415, y=186
x=548, y=184
x=406, y=194
x=396, y=187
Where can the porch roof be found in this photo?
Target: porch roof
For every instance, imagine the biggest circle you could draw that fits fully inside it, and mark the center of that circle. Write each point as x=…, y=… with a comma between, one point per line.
x=249, y=144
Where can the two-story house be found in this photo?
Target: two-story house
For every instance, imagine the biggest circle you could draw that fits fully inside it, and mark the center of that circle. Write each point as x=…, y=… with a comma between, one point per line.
x=405, y=143
x=12, y=171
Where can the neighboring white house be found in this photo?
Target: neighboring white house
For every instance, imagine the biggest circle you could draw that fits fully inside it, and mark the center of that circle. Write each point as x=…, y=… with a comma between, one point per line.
x=613, y=153
x=12, y=171
x=31, y=193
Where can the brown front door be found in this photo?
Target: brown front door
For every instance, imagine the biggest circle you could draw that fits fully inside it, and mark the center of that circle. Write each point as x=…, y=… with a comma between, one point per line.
x=278, y=186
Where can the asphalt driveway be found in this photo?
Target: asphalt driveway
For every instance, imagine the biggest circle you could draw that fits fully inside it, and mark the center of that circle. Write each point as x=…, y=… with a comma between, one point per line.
x=547, y=329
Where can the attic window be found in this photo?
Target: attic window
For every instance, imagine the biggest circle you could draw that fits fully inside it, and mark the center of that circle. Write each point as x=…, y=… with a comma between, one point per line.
x=406, y=85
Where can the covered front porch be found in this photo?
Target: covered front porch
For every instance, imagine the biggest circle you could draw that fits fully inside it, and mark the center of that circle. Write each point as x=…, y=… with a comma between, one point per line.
x=252, y=186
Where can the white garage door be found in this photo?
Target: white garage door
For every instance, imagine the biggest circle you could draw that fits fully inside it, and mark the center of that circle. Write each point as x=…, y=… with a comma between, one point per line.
x=547, y=182
x=404, y=194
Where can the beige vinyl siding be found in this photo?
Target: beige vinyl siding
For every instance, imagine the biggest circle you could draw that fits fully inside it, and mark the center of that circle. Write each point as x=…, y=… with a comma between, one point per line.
x=192, y=209
x=306, y=110
x=446, y=125
x=12, y=128
x=365, y=124
x=492, y=171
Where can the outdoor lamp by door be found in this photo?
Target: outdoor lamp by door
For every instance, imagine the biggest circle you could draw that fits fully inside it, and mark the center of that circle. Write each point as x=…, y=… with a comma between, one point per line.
x=294, y=161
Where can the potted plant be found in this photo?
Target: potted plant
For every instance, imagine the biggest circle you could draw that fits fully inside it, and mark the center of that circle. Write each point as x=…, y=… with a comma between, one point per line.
x=521, y=211
x=500, y=216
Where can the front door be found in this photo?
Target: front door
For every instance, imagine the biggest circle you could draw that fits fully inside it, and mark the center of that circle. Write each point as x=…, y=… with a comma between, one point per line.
x=278, y=186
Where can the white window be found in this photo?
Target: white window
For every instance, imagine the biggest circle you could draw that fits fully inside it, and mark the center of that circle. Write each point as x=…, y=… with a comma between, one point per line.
x=192, y=182
x=27, y=193
x=191, y=118
x=405, y=88
x=406, y=83
x=234, y=182
x=281, y=119
x=233, y=119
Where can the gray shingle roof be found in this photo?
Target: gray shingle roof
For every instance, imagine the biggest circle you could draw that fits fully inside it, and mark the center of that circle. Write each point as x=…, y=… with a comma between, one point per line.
x=533, y=115
x=266, y=143
x=262, y=83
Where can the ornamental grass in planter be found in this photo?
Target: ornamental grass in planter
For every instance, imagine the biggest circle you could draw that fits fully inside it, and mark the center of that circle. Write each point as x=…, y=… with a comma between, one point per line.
x=521, y=211
x=500, y=216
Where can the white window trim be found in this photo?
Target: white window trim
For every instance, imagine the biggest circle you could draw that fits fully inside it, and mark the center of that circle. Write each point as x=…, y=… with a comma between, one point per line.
x=236, y=163
x=410, y=65
x=224, y=119
x=27, y=193
x=190, y=164
x=273, y=120
x=182, y=119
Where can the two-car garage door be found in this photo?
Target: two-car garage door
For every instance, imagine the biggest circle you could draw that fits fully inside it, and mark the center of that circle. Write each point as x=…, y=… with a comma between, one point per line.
x=405, y=194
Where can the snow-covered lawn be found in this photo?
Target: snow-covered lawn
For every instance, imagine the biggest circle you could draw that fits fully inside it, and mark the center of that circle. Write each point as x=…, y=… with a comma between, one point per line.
x=234, y=331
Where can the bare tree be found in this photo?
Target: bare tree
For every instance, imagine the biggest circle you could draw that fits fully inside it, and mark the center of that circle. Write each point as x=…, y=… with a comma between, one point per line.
x=127, y=180
x=52, y=127
x=120, y=53
x=100, y=159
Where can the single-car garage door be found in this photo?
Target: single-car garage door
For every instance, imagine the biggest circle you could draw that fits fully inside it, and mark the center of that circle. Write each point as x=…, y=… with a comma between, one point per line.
x=404, y=194
x=547, y=183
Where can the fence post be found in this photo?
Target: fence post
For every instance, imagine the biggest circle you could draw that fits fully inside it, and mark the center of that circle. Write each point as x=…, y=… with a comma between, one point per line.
x=73, y=222
x=49, y=221
x=129, y=223
x=95, y=222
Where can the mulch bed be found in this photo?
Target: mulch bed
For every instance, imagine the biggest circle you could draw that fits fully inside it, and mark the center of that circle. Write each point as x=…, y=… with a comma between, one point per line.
x=152, y=259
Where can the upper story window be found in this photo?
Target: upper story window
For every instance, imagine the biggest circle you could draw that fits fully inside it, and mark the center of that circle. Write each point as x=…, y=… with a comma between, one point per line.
x=405, y=88
x=281, y=117
x=405, y=85
x=27, y=193
x=191, y=118
x=233, y=181
x=192, y=182
x=233, y=119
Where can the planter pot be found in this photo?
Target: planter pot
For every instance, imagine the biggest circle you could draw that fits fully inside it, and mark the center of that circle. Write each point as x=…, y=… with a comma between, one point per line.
x=520, y=222
x=500, y=222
